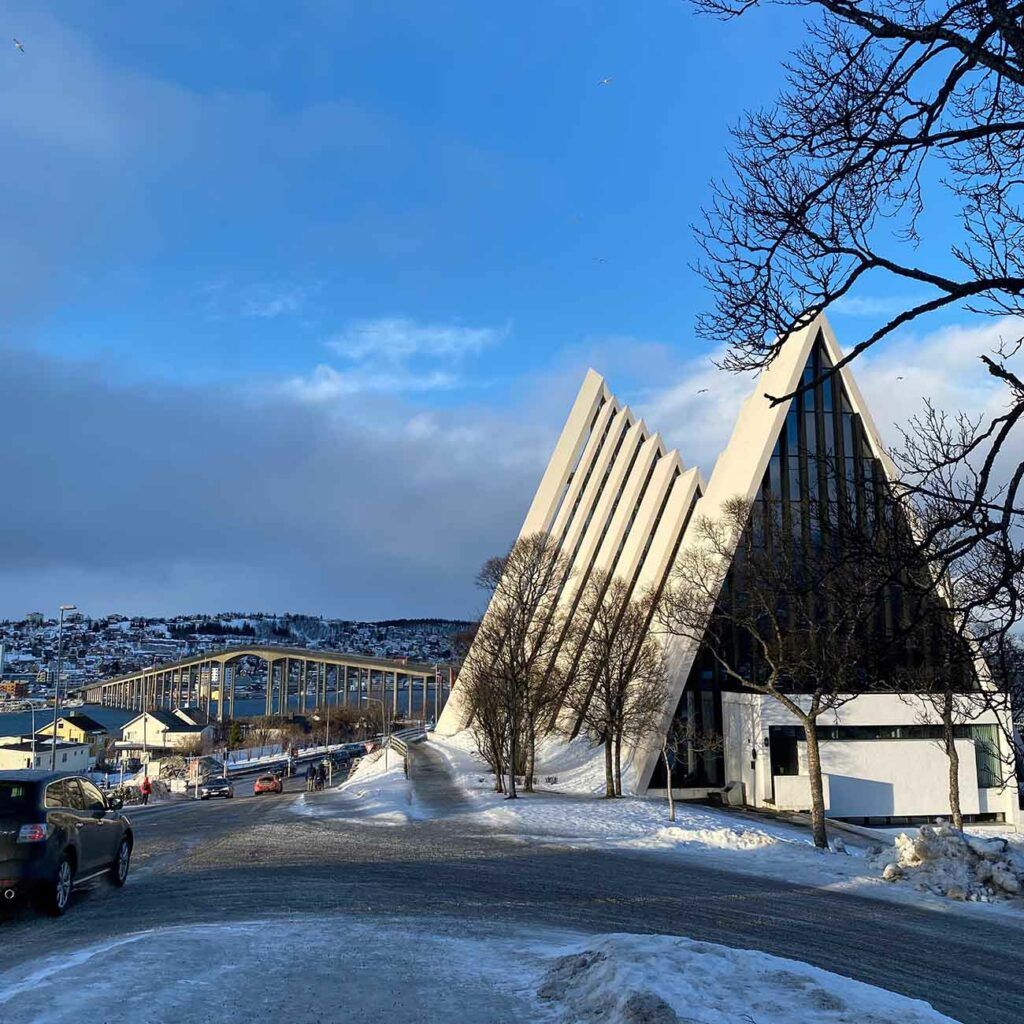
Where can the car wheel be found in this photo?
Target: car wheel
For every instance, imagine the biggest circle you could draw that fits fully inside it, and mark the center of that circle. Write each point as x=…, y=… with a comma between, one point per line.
x=119, y=869
x=53, y=896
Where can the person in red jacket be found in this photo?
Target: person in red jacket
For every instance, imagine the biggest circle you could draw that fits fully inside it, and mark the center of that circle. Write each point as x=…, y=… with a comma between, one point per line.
x=145, y=789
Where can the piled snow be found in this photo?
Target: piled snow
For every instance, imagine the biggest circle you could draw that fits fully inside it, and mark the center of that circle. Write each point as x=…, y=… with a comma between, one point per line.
x=941, y=860
x=473, y=972
x=663, y=979
x=371, y=793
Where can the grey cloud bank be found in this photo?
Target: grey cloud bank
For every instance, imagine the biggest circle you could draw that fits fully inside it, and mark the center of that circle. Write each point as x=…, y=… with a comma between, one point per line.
x=157, y=498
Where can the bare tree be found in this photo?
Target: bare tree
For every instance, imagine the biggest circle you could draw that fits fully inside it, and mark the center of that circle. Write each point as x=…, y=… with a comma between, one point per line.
x=964, y=587
x=506, y=671
x=888, y=103
x=683, y=740
x=484, y=697
x=618, y=692
x=782, y=614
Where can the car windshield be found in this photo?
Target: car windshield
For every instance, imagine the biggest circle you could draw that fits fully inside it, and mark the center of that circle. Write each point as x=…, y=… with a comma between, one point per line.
x=267, y=778
x=15, y=797
x=216, y=782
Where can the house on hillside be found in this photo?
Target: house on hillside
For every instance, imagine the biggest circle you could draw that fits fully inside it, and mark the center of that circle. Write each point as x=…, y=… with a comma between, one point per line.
x=79, y=728
x=155, y=732
x=17, y=754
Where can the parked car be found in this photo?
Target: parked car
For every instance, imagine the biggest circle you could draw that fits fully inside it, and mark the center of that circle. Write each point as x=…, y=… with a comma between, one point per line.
x=267, y=784
x=57, y=830
x=216, y=786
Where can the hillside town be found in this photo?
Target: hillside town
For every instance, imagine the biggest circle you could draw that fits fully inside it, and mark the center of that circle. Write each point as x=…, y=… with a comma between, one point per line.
x=98, y=648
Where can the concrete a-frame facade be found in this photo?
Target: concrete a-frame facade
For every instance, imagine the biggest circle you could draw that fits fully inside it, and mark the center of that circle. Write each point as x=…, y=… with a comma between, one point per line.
x=616, y=500
x=613, y=496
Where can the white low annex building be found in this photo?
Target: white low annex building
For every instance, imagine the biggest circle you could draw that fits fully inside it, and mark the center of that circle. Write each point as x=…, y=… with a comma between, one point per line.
x=617, y=501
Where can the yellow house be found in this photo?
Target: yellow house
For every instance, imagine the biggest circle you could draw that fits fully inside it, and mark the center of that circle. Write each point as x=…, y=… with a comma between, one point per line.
x=78, y=729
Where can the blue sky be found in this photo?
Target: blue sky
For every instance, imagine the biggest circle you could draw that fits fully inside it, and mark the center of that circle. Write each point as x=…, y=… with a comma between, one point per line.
x=294, y=296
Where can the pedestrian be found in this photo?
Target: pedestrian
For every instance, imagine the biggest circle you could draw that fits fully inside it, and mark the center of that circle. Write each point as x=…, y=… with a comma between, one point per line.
x=321, y=777
x=145, y=789
x=310, y=778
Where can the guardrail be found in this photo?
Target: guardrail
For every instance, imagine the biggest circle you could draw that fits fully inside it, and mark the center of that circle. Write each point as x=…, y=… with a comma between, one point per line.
x=399, y=741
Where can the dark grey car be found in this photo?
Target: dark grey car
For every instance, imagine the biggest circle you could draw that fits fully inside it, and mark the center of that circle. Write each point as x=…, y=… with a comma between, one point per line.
x=218, y=786
x=57, y=830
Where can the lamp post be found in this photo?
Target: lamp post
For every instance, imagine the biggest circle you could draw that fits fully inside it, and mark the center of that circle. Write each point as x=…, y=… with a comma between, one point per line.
x=56, y=683
x=384, y=724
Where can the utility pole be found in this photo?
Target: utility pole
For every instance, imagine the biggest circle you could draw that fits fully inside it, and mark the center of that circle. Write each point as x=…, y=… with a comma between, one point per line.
x=56, y=683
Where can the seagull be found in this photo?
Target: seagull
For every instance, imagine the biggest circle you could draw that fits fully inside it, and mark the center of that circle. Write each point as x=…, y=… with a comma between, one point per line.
x=600, y=259
x=702, y=391
x=607, y=80
x=17, y=43
x=899, y=378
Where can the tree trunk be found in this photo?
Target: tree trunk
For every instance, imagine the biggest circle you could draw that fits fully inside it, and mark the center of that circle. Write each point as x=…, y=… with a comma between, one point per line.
x=949, y=740
x=817, y=789
x=531, y=754
x=609, y=779
x=668, y=785
x=618, y=764
x=513, y=757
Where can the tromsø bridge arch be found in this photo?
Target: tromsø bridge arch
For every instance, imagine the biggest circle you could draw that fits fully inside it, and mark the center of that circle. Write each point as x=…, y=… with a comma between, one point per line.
x=308, y=675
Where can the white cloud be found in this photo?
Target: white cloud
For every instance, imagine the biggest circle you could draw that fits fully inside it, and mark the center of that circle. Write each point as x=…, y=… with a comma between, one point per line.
x=395, y=355
x=327, y=382
x=268, y=303
x=398, y=339
x=942, y=365
x=874, y=305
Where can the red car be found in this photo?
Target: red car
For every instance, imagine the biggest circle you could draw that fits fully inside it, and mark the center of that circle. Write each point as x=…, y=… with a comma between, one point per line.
x=267, y=784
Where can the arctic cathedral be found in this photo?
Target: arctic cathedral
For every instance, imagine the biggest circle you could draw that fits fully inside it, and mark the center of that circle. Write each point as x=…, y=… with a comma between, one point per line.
x=617, y=501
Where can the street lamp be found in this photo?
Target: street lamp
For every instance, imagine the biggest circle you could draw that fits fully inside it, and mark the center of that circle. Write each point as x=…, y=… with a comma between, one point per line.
x=56, y=683
x=384, y=723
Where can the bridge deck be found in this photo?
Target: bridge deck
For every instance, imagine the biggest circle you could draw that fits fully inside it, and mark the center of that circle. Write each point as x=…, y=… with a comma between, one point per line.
x=196, y=677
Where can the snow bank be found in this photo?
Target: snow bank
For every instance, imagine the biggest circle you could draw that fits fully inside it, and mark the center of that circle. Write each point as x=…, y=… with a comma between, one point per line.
x=470, y=971
x=664, y=979
x=941, y=860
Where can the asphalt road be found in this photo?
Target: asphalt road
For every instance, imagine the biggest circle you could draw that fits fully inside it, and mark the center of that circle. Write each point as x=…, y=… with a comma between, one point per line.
x=254, y=858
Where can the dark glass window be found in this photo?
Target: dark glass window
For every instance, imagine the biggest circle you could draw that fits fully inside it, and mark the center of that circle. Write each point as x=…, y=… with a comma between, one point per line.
x=775, y=477
x=810, y=434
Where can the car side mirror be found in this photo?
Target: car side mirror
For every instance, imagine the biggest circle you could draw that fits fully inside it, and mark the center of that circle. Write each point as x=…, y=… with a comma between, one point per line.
x=114, y=803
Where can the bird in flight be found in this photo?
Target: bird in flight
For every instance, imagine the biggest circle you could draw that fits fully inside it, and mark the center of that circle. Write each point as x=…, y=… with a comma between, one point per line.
x=899, y=378
x=607, y=80
x=702, y=391
x=600, y=259
x=17, y=43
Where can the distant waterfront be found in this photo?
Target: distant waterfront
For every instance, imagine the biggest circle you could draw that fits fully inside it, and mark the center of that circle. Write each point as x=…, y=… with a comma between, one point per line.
x=20, y=722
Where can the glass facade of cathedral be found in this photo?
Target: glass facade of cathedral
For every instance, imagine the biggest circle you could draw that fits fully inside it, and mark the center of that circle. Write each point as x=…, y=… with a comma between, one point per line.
x=822, y=481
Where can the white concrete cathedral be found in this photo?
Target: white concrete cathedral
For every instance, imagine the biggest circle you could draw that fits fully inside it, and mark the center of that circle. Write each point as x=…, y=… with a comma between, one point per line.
x=617, y=501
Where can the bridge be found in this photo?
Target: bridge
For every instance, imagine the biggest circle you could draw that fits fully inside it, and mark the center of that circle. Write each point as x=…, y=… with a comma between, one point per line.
x=310, y=675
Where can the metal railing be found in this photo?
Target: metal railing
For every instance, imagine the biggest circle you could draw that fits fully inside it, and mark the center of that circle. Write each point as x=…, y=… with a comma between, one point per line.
x=399, y=742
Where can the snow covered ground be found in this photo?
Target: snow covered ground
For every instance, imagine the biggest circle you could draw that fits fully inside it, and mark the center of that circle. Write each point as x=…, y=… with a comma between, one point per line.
x=569, y=810
x=307, y=970
x=377, y=790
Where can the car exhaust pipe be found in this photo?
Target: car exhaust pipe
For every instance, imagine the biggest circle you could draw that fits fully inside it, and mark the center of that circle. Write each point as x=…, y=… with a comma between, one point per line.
x=9, y=894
